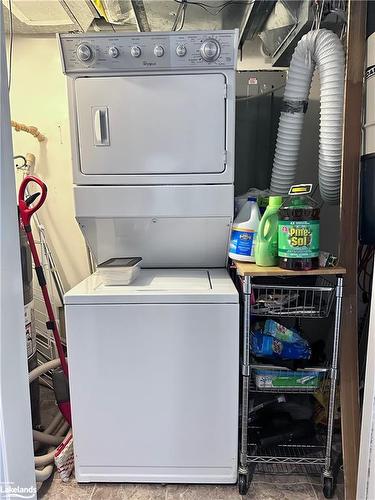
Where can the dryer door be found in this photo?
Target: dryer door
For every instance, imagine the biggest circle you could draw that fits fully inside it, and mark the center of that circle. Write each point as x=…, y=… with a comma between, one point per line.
x=151, y=125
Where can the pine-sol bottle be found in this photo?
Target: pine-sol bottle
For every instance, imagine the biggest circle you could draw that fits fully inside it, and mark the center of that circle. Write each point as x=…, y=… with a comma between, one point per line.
x=298, y=230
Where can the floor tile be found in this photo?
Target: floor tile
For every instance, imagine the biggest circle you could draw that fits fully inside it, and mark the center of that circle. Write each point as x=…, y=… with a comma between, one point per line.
x=263, y=487
x=282, y=478
x=71, y=490
x=202, y=492
x=111, y=491
x=339, y=492
x=281, y=490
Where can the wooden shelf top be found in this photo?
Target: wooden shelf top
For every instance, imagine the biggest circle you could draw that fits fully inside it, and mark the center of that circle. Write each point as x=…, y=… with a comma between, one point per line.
x=250, y=269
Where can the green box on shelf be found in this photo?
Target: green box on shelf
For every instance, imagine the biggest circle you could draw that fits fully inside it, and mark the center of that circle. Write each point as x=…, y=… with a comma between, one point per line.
x=271, y=377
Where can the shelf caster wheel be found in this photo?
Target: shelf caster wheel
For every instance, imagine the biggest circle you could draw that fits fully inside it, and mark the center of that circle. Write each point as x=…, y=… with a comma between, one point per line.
x=328, y=487
x=243, y=484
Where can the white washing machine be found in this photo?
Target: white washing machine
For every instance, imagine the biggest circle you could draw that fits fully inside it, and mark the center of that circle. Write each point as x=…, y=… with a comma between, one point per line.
x=154, y=366
x=154, y=377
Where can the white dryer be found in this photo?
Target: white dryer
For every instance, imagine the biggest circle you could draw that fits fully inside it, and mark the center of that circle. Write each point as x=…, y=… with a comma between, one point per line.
x=152, y=124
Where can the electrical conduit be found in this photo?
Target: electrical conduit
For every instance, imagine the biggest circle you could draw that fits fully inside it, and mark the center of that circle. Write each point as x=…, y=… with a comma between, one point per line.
x=321, y=49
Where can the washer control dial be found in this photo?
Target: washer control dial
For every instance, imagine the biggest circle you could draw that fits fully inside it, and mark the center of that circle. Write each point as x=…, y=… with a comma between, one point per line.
x=210, y=50
x=84, y=52
x=159, y=51
x=181, y=50
x=135, y=51
x=113, y=52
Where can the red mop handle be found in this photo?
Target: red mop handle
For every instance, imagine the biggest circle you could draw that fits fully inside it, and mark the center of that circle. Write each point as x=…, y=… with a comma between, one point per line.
x=26, y=211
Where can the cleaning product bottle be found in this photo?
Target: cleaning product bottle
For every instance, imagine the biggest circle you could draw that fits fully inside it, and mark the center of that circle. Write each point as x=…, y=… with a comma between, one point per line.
x=298, y=232
x=266, y=243
x=244, y=232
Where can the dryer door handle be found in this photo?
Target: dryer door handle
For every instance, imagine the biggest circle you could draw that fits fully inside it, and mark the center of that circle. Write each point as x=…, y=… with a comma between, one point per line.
x=101, y=126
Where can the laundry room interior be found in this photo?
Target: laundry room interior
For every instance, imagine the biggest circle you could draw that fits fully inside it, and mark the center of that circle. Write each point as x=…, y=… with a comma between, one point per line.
x=187, y=249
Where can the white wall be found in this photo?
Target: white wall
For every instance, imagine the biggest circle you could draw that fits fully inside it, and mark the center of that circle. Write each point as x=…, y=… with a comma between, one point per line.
x=39, y=98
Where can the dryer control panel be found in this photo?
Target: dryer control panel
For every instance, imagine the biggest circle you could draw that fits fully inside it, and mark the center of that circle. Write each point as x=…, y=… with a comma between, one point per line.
x=133, y=52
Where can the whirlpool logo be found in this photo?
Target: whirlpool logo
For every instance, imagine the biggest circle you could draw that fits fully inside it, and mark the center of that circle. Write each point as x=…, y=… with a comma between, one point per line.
x=9, y=490
x=146, y=63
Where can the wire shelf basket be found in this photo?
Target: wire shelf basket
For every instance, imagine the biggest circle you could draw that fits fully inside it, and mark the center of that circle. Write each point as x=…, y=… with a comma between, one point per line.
x=274, y=379
x=288, y=454
x=288, y=469
x=292, y=300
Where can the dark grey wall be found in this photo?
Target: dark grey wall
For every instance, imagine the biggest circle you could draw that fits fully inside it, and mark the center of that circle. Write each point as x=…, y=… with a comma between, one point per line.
x=259, y=97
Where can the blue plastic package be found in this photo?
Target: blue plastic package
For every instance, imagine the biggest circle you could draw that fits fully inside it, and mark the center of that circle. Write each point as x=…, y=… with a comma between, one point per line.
x=278, y=342
x=281, y=332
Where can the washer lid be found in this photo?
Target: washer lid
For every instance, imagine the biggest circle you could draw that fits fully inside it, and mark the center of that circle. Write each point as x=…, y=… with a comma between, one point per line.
x=159, y=286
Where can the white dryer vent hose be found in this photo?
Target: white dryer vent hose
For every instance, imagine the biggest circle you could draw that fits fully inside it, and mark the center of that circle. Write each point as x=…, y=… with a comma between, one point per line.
x=321, y=49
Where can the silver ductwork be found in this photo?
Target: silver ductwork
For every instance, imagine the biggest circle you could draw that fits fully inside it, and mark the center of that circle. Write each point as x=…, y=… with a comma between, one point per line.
x=321, y=49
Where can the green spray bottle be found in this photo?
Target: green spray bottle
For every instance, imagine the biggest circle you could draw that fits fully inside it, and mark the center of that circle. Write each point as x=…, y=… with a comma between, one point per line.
x=266, y=243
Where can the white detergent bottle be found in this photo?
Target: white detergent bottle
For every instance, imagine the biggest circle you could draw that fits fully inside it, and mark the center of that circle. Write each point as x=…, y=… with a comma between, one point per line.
x=244, y=231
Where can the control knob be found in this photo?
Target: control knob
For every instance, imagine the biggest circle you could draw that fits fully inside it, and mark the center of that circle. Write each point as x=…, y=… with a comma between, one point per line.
x=181, y=50
x=113, y=52
x=210, y=50
x=159, y=51
x=135, y=51
x=84, y=52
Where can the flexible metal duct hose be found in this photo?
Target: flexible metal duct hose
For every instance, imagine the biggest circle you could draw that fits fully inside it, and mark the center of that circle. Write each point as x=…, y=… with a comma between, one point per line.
x=53, y=439
x=44, y=474
x=321, y=49
x=58, y=427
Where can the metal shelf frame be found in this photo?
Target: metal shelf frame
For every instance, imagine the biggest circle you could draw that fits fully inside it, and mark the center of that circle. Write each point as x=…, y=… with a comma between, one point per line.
x=296, y=455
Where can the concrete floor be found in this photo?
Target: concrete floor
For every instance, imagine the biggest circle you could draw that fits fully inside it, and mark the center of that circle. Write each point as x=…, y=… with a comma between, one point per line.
x=263, y=487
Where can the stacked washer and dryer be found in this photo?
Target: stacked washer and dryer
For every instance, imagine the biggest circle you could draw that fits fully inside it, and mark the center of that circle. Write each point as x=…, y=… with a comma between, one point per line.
x=154, y=366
